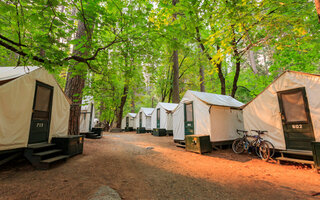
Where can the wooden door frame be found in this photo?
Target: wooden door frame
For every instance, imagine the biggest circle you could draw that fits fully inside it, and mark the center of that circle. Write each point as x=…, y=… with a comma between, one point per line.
x=185, y=116
x=38, y=83
x=158, y=110
x=306, y=105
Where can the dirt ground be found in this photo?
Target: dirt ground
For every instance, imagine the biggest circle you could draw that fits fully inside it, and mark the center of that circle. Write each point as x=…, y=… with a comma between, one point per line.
x=126, y=163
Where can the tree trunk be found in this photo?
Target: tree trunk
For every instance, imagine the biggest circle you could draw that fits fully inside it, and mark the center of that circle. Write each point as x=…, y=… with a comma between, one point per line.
x=238, y=64
x=175, y=82
x=175, y=68
x=74, y=87
x=218, y=65
x=221, y=76
x=252, y=62
x=133, y=107
x=201, y=74
x=317, y=3
x=236, y=77
x=122, y=103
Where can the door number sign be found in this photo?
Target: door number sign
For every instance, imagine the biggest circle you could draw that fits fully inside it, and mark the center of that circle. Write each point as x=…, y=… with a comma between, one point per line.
x=297, y=126
x=39, y=125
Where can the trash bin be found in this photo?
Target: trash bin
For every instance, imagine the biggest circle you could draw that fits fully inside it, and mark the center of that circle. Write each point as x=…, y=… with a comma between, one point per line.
x=316, y=154
x=71, y=145
x=159, y=132
x=141, y=130
x=198, y=143
x=97, y=130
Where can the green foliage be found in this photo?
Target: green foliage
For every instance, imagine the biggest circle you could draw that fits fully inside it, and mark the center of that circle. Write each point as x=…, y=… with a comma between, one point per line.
x=131, y=44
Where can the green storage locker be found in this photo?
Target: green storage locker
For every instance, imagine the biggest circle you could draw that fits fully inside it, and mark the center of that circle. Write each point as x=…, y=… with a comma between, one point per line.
x=159, y=132
x=316, y=154
x=141, y=130
x=198, y=143
x=71, y=145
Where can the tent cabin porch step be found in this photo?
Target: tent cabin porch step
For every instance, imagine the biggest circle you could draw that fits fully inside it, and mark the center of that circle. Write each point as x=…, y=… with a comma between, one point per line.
x=91, y=135
x=43, y=155
x=296, y=156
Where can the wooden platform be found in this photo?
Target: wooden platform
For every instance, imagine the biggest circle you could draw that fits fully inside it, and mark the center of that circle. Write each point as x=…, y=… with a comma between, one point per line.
x=296, y=156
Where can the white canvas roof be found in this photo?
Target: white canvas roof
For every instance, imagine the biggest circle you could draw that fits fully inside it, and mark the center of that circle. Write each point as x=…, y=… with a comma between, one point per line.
x=7, y=73
x=169, y=106
x=147, y=111
x=217, y=99
x=132, y=114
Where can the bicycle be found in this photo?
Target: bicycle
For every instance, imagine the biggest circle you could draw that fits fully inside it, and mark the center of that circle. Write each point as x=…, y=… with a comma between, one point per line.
x=261, y=147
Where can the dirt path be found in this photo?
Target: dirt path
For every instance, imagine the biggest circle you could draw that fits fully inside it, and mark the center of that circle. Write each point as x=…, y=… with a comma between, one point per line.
x=123, y=162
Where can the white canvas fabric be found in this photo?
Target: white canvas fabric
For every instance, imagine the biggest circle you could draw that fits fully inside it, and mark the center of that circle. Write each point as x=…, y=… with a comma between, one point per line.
x=146, y=118
x=16, y=102
x=7, y=73
x=88, y=104
x=203, y=113
x=131, y=120
x=165, y=115
x=263, y=112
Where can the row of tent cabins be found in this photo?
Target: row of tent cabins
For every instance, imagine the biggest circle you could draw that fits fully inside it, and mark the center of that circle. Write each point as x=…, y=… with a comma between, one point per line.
x=148, y=119
x=289, y=109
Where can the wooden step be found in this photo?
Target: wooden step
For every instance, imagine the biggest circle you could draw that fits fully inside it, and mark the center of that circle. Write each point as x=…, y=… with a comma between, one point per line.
x=181, y=145
x=54, y=159
x=309, y=162
x=298, y=152
x=45, y=153
x=40, y=145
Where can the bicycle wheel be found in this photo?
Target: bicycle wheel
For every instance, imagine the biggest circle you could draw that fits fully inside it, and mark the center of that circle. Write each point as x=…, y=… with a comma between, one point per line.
x=238, y=146
x=271, y=147
x=264, y=151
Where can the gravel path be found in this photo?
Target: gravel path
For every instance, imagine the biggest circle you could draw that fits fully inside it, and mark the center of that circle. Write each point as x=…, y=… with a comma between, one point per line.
x=141, y=166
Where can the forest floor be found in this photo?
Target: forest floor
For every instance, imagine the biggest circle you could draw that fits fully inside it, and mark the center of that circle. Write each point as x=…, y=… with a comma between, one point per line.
x=141, y=166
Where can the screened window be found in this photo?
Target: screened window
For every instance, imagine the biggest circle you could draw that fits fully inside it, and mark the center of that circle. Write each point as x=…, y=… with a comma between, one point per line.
x=189, y=114
x=158, y=113
x=294, y=107
x=42, y=99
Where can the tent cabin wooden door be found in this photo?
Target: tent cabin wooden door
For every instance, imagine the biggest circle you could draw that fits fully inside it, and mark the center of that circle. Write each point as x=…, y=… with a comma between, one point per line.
x=296, y=120
x=41, y=114
x=158, y=118
x=127, y=122
x=140, y=120
x=188, y=119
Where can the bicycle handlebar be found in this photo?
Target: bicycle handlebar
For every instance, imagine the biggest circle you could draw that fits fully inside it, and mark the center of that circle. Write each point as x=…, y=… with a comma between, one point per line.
x=259, y=131
x=241, y=131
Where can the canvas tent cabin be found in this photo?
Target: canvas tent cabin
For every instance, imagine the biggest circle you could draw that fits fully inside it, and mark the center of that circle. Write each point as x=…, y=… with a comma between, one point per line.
x=161, y=117
x=143, y=119
x=201, y=113
x=33, y=107
x=289, y=109
x=87, y=121
x=128, y=122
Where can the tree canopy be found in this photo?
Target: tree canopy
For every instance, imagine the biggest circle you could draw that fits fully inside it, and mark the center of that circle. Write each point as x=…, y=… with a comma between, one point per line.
x=129, y=51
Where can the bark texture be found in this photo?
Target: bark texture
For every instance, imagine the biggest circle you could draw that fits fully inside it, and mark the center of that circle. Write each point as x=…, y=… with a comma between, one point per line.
x=74, y=87
x=122, y=103
x=201, y=73
x=175, y=68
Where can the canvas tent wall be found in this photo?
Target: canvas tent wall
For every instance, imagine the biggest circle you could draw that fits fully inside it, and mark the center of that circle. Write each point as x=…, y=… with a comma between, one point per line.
x=87, y=115
x=205, y=113
x=289, y=109
x=161, y=116
x=22, y=108
x=143, y=118
x=131, y=121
